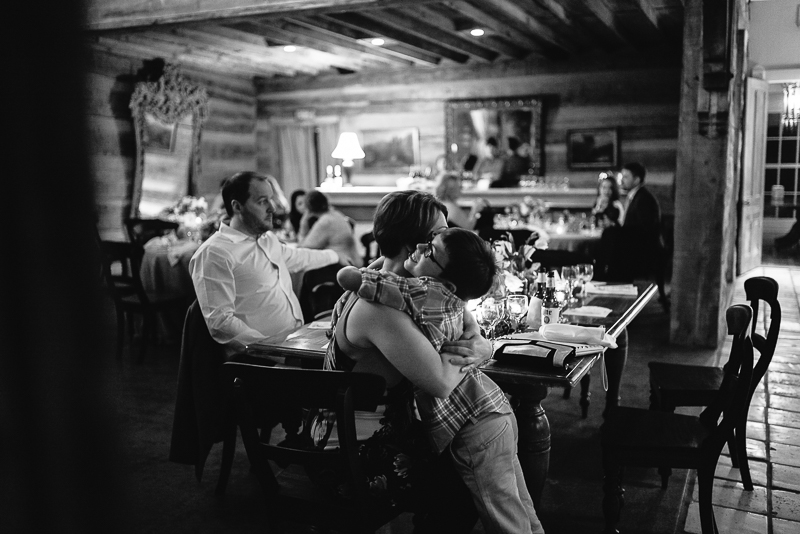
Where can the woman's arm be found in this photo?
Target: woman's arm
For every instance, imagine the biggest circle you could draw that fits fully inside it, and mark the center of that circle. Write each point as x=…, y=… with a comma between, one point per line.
x=402, y=343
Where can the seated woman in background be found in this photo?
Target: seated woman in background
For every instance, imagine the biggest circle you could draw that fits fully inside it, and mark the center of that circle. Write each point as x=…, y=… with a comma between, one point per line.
x=331, y=230
x=608, y=210
x=448, y=191
x=298, y=208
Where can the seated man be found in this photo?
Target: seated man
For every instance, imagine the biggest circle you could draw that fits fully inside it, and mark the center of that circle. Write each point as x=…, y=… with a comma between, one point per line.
x=241, y=273
x=636, y=247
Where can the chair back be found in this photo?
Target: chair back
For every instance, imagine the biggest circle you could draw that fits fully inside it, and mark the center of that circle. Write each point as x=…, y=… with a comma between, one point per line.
x=371, y=249
x=732, y=398
x=763, y=288
x=319, y=291
x=140, y=231
x=119, y=271
x=259, y=392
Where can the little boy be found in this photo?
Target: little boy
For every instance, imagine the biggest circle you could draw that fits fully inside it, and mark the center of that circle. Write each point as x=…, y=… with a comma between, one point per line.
x=475, y=423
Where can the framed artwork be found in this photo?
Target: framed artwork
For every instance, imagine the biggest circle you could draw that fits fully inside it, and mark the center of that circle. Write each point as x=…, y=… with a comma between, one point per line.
x=391, y=151
x=595, y=148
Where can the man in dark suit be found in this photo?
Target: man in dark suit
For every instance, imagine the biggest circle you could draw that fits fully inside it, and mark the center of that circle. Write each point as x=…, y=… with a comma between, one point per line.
x=637, y=247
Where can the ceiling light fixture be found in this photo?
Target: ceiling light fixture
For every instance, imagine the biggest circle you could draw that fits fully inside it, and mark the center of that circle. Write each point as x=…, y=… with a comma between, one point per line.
x=476, y=32
x=378, y=41
x=289, y=48
x=791, y=105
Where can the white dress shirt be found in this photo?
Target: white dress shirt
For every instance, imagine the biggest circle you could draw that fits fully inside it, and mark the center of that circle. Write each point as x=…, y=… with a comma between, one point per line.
x=244, y=288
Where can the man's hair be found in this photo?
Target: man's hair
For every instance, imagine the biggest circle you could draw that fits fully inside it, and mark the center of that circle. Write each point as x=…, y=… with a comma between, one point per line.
x=316, y=202
x=404, y=219
x=237, y=187
x=637, y=169
x=471, y=263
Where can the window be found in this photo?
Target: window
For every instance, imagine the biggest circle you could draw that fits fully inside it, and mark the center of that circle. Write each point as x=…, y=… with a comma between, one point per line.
x=782, y=167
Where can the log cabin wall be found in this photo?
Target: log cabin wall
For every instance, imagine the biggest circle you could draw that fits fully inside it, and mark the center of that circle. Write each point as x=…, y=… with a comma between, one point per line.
x=227, y=143
x=638, y=94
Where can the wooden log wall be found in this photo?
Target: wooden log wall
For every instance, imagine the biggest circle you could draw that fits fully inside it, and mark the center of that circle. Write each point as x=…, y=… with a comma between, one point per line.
x=227, y=146
x=638, y=94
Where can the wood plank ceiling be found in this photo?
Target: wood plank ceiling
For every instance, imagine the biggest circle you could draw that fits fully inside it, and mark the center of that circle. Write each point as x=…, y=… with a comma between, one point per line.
x=238, y=38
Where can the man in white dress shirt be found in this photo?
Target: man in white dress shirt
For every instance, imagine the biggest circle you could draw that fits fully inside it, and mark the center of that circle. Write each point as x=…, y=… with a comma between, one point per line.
x=241, y=273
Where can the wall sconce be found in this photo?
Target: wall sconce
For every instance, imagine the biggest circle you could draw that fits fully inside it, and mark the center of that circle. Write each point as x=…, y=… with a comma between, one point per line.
x=347, y=150
x=791, y=105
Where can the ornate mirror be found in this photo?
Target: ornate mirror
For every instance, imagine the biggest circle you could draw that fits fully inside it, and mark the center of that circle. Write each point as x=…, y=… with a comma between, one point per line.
x=168, y=115
x=470, y=126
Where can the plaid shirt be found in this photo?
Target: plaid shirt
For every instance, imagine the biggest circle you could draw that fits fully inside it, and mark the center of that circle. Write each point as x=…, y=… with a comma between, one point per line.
x=439, y=313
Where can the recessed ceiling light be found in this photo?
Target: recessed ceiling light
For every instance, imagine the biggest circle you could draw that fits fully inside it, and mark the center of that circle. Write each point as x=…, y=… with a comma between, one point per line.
x=378, y=41
x=289, y=48
x=476, y=32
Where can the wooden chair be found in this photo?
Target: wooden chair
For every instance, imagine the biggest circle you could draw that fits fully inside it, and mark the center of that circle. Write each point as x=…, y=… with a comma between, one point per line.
x=319, y=291
x=371, y=250
x=140, y=231
x=317, y=486
x=648, y=438
x=673, y=385
x=121, y=266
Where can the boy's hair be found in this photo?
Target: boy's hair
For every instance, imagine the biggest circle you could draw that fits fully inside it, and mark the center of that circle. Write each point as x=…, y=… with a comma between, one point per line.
x=471, y=265
x=403, y=219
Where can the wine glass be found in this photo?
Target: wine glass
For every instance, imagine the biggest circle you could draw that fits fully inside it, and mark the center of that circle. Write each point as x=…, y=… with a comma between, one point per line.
x=517, y=306
x=586, y=273
x=490, y=312
x=569, y=274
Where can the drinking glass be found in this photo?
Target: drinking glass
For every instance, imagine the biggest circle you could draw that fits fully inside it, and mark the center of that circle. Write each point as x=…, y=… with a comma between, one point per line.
x=569, y=274
x=517, y=306
x=490, y=312
x=586, y=273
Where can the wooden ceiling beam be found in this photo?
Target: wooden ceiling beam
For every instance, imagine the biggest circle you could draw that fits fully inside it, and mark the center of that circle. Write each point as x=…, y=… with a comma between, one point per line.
x=417, y=25
x=498, y=27
x=328, y=54
x=608, y=19
x=356, y=34
x=144, y=49
x=649, y=13
x=207, y=46
x=379, y=28
x=513, y=14
x=304, y=28
x=115, y=14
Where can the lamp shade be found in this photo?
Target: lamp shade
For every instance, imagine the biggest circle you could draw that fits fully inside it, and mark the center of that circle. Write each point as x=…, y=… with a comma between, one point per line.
x=348, y=149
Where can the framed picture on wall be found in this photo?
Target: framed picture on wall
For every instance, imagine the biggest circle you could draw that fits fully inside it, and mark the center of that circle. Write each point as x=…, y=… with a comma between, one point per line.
x=390, y=151
x=595, y=148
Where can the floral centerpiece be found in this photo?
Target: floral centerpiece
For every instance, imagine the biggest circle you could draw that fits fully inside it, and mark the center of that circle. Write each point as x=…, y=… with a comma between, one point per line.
x=190, y=213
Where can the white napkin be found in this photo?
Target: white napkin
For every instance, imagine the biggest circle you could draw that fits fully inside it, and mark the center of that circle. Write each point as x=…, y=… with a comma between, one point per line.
x=588, y=311
x=612, y=289
x=569, y=333
x=178, y=249
x=322, y=324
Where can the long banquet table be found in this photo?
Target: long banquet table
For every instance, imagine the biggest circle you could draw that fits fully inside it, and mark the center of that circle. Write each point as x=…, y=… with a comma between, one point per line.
x=527, y=386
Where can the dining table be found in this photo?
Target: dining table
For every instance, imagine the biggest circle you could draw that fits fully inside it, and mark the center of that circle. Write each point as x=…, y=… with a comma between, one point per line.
x=556, y=236
x=526, y=385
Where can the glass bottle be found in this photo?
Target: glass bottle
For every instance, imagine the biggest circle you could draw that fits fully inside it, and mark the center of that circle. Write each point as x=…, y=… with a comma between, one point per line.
x=551, y=308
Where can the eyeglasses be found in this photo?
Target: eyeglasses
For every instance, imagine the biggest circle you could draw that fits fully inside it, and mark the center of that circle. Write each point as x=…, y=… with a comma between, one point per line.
x=429, y=253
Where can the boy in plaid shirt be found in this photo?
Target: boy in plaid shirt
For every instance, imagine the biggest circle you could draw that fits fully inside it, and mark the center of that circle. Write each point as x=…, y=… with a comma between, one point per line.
x=475, y=423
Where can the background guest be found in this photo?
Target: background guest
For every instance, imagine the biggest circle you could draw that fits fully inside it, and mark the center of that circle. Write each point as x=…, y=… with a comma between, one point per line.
x=298, y=208
x=331, y=230
x=490, y=166
x=515, y=164
x=608, y=209
x=448, y=191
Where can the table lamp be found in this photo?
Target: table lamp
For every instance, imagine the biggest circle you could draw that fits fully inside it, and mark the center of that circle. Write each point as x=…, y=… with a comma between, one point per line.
x=347, y=150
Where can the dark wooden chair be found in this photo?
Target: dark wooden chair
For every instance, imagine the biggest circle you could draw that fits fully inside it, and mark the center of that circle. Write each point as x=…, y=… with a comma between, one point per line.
x=673, y=385
x=203, y=412
x=314, y=485
x=122, y=264
x=140, y=231
x=648, y=438
x=319, y=291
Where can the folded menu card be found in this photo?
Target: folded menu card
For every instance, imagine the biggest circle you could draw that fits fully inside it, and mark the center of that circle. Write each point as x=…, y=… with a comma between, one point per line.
x=570, y=333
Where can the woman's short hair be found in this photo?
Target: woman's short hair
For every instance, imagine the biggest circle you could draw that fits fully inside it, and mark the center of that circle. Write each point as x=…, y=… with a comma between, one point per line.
x=237, y=187
x=403, y=219
x=445, y=188
x=471, y=263
x=316, y=202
